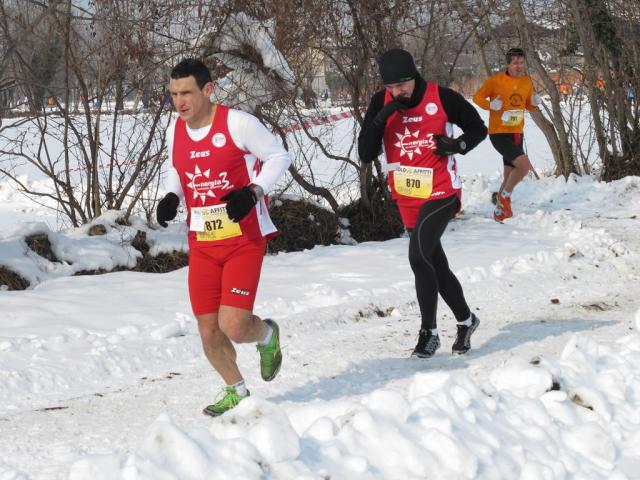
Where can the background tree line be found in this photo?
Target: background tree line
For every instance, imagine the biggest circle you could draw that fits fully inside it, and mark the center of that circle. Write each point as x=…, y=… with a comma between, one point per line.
x=83, y=85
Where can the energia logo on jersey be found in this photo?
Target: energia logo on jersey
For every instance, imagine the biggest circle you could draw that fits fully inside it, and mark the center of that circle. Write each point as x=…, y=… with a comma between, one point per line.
x=203, y=186
x=409, y=143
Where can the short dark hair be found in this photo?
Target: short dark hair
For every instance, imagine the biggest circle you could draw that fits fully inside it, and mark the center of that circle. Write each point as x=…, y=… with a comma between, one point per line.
x=514, y=52
x=192, y=67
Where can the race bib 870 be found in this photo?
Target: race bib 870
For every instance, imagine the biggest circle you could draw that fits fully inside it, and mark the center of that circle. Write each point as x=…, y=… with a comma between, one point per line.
x=415, y=182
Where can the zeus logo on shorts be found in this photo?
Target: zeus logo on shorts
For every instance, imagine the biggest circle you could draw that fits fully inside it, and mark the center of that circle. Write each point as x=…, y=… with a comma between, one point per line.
x=196, y=154
x=240, y=292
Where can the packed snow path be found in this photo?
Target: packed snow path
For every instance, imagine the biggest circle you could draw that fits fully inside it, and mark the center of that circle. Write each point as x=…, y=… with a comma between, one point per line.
x=102, y=377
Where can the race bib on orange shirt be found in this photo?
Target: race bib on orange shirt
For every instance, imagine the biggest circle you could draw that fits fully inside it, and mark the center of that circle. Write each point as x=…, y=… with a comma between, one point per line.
x=512, y=118
x=413, y=182
x=213, y=223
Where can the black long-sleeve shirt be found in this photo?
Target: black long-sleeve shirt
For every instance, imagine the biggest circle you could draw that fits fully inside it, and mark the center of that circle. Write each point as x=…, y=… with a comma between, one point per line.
x=459, y=111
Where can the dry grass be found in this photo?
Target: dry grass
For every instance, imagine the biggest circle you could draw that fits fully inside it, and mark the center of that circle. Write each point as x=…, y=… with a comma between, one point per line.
x=380, y=222
x=40, y=244
x=12, y=280
x=302, y=226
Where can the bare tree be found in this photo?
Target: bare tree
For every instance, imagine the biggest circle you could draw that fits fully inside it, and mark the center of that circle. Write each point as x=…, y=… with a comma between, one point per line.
x=612, y=73
x=552, y=122
x=575, y=45
x=77, y=134
x=93, y=75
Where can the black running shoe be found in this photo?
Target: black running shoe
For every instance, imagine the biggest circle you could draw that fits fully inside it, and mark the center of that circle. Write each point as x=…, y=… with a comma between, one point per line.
x=463, y=337
x=427, y=345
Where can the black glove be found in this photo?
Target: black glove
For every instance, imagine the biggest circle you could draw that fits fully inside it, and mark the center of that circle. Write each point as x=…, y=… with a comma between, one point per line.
x=449, y=146
x=239, y=203
x=167, y=208
x=381, y=117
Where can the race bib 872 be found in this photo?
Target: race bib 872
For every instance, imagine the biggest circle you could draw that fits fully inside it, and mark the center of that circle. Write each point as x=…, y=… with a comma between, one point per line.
x=213, y=223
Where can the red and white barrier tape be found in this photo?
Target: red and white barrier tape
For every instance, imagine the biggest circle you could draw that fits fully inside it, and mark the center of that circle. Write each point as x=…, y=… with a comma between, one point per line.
x=324, y=120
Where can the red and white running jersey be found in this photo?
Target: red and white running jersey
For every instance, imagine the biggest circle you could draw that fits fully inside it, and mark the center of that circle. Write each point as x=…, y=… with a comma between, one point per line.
x=214, y=165
x=416, y=173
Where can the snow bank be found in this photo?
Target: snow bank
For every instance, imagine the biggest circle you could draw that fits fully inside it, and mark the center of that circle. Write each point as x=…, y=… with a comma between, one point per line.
x=77, y=251
x=444, y=425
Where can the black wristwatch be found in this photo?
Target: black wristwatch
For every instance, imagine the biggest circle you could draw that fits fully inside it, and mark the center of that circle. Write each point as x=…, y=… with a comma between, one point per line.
x=257, y=189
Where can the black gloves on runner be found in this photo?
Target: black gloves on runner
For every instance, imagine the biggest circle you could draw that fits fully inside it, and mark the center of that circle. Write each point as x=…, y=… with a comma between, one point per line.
x=381, y=117
x=239, y=203
x=448, y=146
x=167, y=208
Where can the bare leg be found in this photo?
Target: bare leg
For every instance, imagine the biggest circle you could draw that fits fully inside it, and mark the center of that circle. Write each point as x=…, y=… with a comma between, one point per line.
x=218, y=330
x=507, y=172
x=240, y=325
x=218, y=348
x=522, y=167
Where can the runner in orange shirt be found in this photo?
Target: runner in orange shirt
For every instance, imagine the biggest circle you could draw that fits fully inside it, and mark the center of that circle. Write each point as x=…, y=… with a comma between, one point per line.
x=507, y=95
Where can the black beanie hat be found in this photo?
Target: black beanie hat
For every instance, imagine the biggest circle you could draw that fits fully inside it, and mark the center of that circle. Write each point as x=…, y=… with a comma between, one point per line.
x=396, y=65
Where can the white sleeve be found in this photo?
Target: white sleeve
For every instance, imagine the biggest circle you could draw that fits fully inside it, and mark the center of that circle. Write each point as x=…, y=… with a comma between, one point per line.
x=172, y=180
x=249, y=134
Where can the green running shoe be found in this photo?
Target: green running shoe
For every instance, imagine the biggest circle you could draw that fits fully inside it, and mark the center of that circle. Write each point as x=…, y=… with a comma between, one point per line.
x=229, y=400
x=270, y=354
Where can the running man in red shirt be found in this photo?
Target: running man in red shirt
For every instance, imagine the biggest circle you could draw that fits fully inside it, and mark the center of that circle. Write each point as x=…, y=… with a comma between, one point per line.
x=223, y=162
x=414, y=120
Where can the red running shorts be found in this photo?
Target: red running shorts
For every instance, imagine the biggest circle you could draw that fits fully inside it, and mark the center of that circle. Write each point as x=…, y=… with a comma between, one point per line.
x=225, y=275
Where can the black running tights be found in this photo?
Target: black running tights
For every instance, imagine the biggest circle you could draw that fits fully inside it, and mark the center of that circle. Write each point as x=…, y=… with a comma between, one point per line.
x=430, y=265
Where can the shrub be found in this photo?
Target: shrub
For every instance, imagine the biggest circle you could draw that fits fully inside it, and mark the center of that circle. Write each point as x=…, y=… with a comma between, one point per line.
x=302, y=225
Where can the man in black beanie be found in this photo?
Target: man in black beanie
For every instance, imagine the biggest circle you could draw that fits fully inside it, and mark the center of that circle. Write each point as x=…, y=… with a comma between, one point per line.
x=413, y=119
x=396, y=66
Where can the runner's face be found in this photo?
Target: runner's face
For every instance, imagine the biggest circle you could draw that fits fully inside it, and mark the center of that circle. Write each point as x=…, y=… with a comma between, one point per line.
x=190, y=101
x=516, y=67
x=401, y=91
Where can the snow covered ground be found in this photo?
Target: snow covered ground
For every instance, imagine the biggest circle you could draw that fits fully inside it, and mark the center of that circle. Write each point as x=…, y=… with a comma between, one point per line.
x=102, y=377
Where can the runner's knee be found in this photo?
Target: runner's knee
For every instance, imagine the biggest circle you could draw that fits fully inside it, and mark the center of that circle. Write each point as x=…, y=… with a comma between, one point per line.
x=414, y=259
x=522, y=163
x=417, y=255
x=235, y=325
x=208, y=327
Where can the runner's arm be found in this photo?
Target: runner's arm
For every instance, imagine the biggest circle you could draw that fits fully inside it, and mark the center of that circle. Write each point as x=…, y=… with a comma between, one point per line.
x=464, y=115
x=249, y=134
x=482, y=95
x=172, y=180
x=370, y=138
x=529, y=103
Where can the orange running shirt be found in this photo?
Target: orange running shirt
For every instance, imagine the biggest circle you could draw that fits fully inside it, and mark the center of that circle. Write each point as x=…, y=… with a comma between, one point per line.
x=515, y=94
